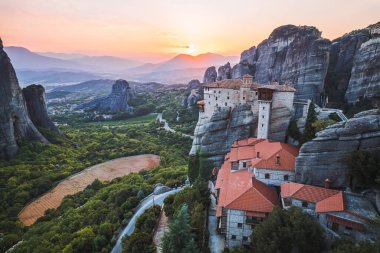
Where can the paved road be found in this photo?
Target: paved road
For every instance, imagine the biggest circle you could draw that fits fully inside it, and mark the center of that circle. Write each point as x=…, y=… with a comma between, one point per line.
x=168, y=128
x=145, y=204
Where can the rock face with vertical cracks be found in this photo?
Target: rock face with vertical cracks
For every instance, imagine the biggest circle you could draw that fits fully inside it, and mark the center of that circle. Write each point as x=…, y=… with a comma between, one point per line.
x=294, y=54
x=15, y=123
x=324, y=156
x=215, y=136
x=365, y=73
x=210, y=75
x=34, y=96
x=116, y=102
x=225, y=72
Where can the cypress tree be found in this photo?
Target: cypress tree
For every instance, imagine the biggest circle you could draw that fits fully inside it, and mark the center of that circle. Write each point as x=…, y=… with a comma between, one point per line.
x=309, y=132
x=179, y=237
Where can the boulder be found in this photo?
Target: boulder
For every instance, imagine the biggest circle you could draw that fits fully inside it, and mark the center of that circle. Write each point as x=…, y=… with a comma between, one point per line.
x=194, y=92
x=324, y=156
x=224, y=72
x=210, y=75
x=34, y=96
x=116, y=102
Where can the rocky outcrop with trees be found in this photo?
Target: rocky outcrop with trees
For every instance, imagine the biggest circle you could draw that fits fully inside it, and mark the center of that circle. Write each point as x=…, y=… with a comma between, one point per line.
x=15, y=123
x=116, y=102
x=326, y=155
x=35, y=102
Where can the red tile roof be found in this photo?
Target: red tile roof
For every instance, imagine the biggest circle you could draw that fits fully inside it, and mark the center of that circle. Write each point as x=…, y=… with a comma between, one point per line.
x=247, y=149
x=326, y=200
x=239, y=190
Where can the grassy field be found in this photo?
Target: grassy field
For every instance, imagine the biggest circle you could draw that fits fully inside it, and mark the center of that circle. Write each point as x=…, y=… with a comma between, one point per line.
x=145, y=119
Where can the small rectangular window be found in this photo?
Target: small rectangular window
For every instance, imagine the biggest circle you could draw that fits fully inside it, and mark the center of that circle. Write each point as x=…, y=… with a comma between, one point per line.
x=304, y=204
x=228, y=97
x=243, y=98
x=262, y=116
x=216, y=98
x=245, y=238
x=263, y=107
x=286, y=177
x=233, y=237
x=225, y=103
x=267, y=176
x=244, y=164
x=256, y=93
x=262, y=125
x=257, y=154
x=240, y=225
x=214, y=91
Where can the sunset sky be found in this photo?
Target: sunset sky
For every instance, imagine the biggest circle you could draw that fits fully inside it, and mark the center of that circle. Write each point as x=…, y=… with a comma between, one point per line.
x=157, y=29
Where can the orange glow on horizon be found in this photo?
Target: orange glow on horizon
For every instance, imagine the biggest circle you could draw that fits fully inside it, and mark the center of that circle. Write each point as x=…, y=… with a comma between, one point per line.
x=160, y=29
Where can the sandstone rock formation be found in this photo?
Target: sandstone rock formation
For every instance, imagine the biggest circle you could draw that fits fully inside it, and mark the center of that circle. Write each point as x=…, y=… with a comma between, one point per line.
x=294, y=54
x=34, y=96
x=225, y=72
x=279, y=122
x=193, y=93
x=215, y=136
x=365, y=73
x=342, y=53
x=241, y=69
x=324, y=156
x=246, y=65
x=14, y=119
x=249, y=56
x=117, y=101
x=210, y=75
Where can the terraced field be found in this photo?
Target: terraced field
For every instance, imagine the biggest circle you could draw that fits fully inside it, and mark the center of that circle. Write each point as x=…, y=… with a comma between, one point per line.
x=104, y=171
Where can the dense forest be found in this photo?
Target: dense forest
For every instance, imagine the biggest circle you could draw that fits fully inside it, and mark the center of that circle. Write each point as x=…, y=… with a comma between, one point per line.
x=37, y=168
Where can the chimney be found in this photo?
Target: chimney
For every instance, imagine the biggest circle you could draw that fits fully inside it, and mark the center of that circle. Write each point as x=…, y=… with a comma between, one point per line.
x=327, y=183
x=277, y=159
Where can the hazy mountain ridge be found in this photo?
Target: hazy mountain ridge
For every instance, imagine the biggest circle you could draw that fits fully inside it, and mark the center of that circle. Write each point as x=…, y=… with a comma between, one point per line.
x=54, y=67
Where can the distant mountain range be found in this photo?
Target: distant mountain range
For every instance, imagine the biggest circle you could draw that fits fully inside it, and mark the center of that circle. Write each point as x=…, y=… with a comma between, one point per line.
x=59, y=68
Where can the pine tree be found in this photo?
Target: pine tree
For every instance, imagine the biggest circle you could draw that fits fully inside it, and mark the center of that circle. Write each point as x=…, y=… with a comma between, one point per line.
x=179, y=236
x=309, y=132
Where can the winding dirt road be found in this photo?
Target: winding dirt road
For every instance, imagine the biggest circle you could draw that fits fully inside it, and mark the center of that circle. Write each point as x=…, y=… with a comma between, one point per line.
x=104, y=172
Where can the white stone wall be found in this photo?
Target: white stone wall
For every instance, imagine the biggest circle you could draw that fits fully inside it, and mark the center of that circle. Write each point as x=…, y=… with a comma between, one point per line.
x=276, y=177
x=219, y=98
x=234, y=217
x=283, y=99
x=264, y=117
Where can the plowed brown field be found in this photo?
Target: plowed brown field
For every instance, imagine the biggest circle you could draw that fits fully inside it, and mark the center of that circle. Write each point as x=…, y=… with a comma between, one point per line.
x=78, y=182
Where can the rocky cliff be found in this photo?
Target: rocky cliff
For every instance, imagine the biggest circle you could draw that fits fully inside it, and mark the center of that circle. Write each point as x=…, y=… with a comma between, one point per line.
x=294, y=54
x=14, y=119
x=324, y=156
x=193, y=93
x=342, y=53
x=365, y=73
x=215, y=136
x=34, y=96
x=225, y=72
x=117, y=101
x=210, y=75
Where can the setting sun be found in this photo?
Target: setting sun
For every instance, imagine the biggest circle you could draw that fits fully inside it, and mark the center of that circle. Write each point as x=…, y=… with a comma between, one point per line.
x=191, y=49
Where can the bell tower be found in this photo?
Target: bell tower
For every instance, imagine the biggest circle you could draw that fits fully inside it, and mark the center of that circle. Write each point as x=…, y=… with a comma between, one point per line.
x=265, y=104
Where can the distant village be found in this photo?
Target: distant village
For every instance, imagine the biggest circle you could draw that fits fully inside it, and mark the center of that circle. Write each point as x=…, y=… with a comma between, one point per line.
x=258, y=174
